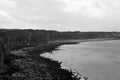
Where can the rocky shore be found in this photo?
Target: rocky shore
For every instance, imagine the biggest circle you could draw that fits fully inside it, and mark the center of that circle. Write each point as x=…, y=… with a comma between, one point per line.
x=26, y=64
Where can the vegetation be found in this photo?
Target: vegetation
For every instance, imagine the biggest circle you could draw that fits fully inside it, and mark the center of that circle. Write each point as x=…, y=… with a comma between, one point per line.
x=19, y=38
x=15, y=39
x=12, y=39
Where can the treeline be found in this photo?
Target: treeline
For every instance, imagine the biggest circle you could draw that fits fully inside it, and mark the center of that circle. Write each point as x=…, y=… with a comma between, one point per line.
x=15, y=38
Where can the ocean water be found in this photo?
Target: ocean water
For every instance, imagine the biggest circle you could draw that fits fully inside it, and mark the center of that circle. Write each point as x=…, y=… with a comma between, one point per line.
x=98, y=60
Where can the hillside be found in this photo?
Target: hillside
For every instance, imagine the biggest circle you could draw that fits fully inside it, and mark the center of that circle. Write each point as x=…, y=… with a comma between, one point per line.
x=20, y=49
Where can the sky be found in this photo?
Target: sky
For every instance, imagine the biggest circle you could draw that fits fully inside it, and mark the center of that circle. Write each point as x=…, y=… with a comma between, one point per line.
x=61, y=15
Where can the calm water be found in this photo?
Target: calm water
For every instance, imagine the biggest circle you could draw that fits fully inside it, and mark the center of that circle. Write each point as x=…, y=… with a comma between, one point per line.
x=96, y=60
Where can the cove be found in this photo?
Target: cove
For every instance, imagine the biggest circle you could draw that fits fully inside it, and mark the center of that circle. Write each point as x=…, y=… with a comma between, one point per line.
x=98, y=60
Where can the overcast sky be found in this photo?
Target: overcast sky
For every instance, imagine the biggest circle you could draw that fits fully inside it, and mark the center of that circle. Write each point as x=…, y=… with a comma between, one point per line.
x=62, y=15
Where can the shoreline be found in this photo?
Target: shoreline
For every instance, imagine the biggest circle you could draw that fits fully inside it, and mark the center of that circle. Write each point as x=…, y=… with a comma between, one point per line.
x=84, y=40
x=26, y=63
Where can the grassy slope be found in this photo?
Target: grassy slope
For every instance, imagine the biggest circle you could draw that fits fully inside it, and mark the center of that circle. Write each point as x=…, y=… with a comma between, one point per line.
x=26, y=64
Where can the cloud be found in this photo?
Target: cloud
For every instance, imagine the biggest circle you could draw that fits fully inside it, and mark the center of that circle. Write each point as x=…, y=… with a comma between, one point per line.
x=30, y=17
x=60, y=14
x=7, y=16
x=7, y=3
x=91, y=8
x=36, y=9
